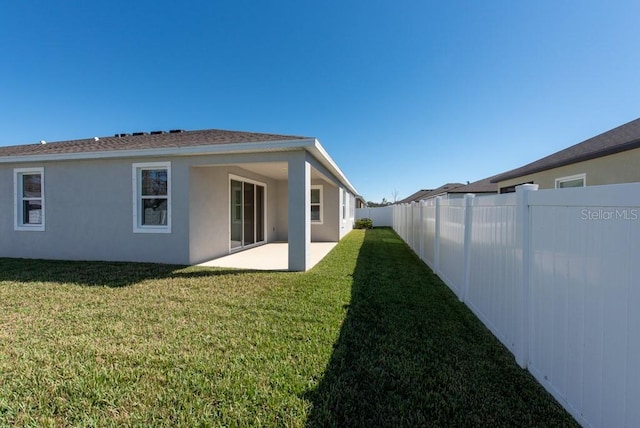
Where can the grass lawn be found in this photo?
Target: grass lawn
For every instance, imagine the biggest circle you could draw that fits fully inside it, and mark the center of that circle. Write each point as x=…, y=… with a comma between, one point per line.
x=369, y=337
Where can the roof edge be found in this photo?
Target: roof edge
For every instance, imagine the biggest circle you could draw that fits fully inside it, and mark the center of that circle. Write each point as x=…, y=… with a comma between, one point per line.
x=321, y=154
x=588, y=156
x=245, y=147
x=312, y=145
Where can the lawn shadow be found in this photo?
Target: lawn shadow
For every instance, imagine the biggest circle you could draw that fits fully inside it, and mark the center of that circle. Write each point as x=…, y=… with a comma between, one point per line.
x=410, y=354
x=102, y=274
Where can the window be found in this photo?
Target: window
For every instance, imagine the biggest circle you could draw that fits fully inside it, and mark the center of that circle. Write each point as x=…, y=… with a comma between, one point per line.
x=316, y=204
x=29, y=198
x=248, y=212
x=152, y=197
x=579, y=180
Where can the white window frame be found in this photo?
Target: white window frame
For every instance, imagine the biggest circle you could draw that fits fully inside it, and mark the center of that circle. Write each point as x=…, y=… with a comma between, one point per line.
x=320, y=204
x=243, y=180
x=582, y=176
x=18, y=200
x=137, y=169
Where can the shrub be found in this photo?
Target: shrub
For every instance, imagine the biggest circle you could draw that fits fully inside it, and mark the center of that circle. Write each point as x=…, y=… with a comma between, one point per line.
x=364, y=223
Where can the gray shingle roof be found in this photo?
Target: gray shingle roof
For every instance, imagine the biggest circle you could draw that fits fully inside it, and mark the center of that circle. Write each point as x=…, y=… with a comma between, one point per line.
x=425, y=194
x=144, y=141
x=414, y=196
x=481, y=186
x=622, y=138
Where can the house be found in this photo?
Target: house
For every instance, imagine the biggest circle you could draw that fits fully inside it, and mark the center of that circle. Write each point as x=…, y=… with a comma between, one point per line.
x=179, y=197
x=443, y=190
x=609, y=158
x=479, y=188
x=414, y=197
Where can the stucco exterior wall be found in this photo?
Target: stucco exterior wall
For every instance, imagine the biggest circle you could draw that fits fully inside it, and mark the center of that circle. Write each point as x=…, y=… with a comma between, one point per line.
x=209, y=210
x=617, y=168
x=328, y=230
x=346, y=223
x=89, y=215
x=282, y=216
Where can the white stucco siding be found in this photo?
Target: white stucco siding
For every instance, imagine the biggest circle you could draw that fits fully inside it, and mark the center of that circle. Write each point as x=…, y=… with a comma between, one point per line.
x=612, y=169
x=282, y=215
x=89, y=215
x=6, y=206
x=210, y=210
x=347, y=219
x=327, y=231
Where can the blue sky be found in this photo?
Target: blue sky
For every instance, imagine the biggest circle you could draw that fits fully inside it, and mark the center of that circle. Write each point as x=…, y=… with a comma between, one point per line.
x=403, y=95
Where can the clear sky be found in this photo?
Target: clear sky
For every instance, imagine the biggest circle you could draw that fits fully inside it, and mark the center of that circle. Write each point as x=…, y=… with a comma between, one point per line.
x=403, y=94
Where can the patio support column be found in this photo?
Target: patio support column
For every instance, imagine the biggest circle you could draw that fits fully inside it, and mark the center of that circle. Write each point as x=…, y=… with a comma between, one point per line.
x=299, y=212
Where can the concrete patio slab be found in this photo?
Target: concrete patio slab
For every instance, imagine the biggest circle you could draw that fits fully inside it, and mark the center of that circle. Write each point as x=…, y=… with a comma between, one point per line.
x=272, y=256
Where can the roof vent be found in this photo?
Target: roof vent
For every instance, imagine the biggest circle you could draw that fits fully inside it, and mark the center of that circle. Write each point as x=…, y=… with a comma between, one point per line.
x=96, y=139
x=156, y=132
x=176, y=131
x=122, y=135
x=135, y=134
x=43, y=142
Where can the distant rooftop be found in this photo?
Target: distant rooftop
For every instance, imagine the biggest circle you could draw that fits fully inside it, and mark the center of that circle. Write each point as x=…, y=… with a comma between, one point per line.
x=426, y=194
x=481, y=186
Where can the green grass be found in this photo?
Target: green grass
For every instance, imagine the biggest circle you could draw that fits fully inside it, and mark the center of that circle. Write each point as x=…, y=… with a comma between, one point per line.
x=369, y=337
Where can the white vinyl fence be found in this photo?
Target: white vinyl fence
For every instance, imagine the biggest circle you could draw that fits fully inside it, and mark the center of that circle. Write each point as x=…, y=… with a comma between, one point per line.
x=381, y=216
x=555, y=275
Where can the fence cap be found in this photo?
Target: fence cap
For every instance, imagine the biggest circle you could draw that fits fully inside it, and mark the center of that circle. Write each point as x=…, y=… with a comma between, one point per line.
x=526, y=187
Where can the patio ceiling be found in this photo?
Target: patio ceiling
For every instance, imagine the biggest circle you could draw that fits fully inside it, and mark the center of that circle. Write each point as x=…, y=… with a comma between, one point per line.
x=275, y=170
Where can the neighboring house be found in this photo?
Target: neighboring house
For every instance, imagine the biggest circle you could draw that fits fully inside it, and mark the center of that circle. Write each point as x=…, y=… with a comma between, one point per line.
x=171, y=197
x=443, y=190
x=609, y=158
x=417, y=196
x=478, y=188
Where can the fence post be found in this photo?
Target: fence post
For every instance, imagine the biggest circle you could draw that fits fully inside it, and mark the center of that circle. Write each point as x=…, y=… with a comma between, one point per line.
x=406, y=223
x=468, y=208
x=413, y=232
x=523, y=234
x=421, y=228
x=436, y=241
x=393, y=217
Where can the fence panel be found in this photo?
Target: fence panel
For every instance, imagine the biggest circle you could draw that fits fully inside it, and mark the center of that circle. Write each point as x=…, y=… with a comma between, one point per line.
x=415, y=227
x=381, y=216
x=494, y=292
x=429, y=232
x=451, y=245
x=584, y=300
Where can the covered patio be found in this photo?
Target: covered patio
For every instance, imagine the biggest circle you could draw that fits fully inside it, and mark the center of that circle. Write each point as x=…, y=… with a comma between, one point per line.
x=272, y=256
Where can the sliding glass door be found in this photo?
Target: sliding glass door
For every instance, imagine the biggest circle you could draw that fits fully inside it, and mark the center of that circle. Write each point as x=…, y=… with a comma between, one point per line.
x=247, y=213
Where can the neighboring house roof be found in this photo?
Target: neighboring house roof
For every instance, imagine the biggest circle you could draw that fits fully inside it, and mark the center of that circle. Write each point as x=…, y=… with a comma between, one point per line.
x=481, y=186
x=172, y=143
x=622, y=138
x=414, y=197
x=426, y=194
